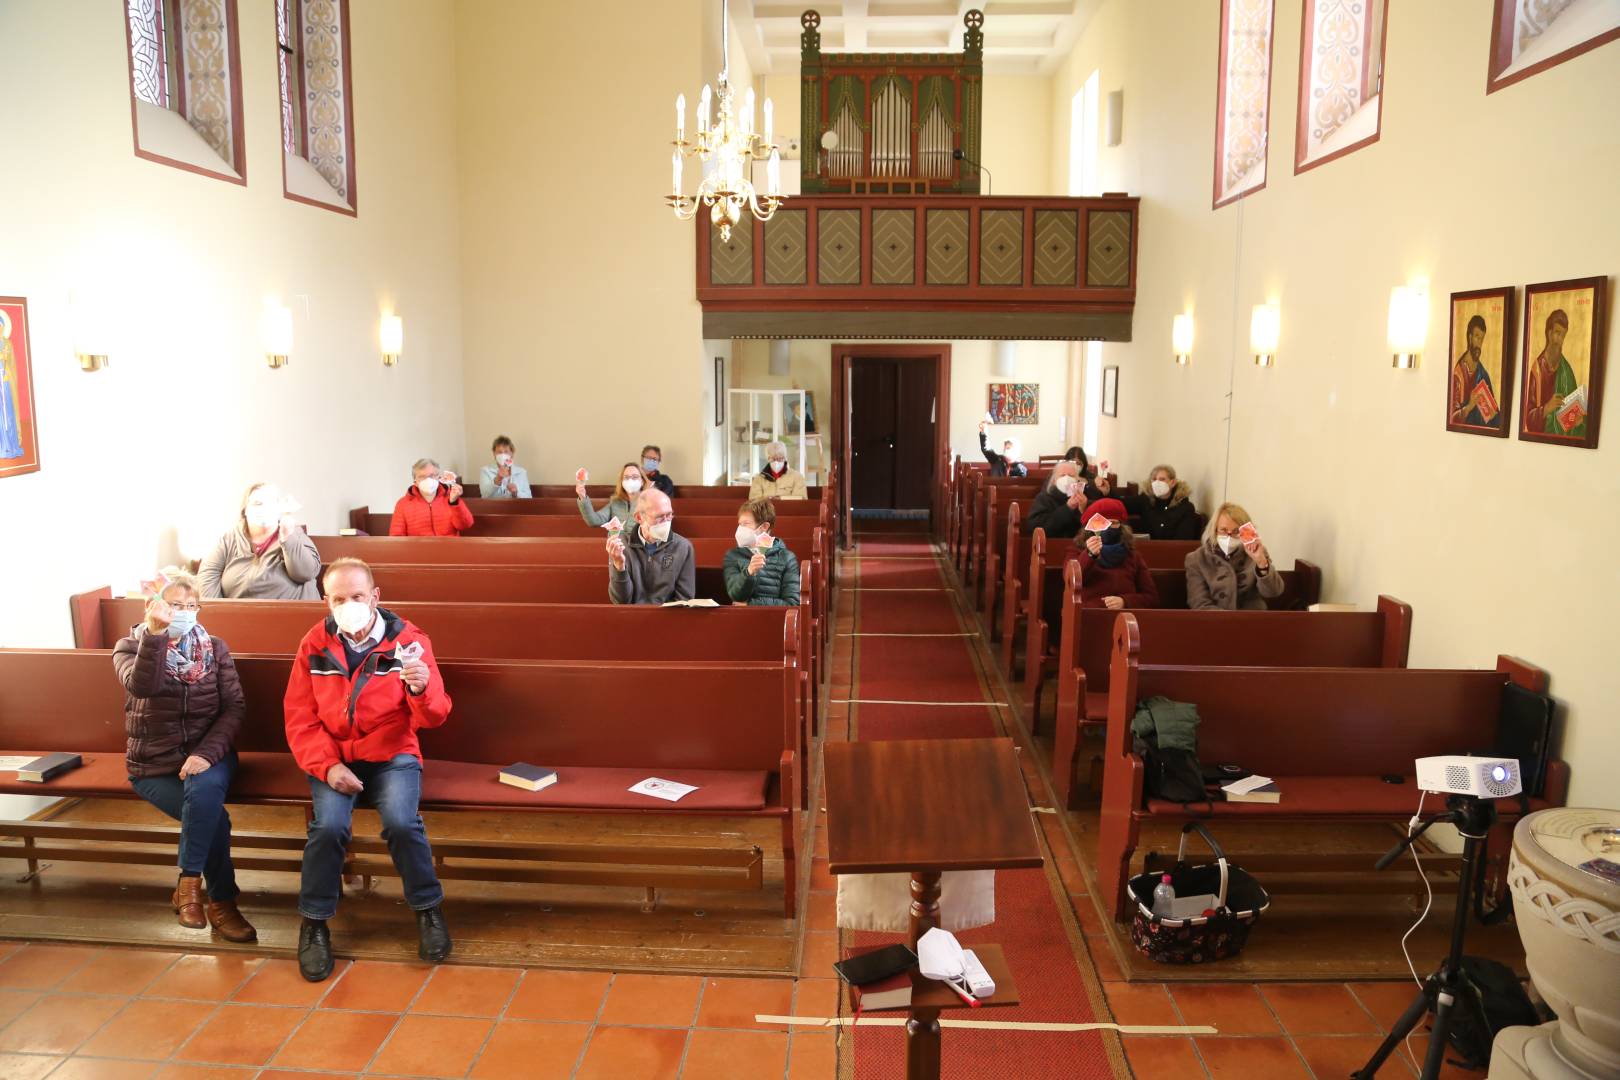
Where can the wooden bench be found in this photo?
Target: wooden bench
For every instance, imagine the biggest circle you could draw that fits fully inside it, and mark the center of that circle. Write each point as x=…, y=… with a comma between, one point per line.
x=468, y=630
x=795, y=529
x=570, y=506
x=1326, y=735
x=978, y=510
x=1335, y=639
x=730, y=492
x=726, y=727
x=1302, y=586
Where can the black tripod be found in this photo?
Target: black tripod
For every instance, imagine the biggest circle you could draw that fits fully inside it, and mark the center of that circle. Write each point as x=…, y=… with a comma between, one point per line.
x=1448, y=988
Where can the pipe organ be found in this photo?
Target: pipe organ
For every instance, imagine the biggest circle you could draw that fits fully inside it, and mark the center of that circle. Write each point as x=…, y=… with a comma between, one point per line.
x=891, y=123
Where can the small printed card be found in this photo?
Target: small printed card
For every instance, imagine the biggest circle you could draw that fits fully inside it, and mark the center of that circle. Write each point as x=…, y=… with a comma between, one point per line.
x=1097, y=523
x=409, y=652
x=581, y=476
x=613, y=525
x=668, y=790
x=1249, y=534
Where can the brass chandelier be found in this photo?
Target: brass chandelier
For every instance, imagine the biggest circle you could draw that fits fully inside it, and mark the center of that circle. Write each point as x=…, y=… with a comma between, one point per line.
x=727, y=151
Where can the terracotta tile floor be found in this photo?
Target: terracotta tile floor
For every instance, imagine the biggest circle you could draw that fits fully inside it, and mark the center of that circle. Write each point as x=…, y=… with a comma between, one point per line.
x=86, y=1013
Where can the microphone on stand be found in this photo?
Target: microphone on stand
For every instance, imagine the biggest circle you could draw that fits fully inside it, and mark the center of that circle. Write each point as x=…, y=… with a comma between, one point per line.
x=958, y=155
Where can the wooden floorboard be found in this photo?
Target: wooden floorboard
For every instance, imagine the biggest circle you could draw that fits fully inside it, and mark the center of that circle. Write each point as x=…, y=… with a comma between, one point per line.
x=741, y=933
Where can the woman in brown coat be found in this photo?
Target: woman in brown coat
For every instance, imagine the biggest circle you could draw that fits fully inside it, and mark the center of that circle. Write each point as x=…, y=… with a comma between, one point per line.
x=1229, y=570
x=183, y=706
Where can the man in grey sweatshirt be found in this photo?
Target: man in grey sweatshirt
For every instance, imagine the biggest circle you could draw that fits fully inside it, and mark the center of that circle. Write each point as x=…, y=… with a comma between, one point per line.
x=650, y=564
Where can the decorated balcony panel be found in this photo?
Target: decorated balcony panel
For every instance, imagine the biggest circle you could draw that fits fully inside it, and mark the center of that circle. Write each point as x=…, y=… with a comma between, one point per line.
x=955, y=266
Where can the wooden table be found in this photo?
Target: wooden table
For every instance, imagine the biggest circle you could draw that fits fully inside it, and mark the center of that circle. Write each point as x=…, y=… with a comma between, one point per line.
x=924, y=806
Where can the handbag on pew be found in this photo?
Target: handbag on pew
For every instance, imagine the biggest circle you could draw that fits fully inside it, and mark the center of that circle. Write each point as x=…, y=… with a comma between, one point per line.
x=1165, y=736
x=1215, y=931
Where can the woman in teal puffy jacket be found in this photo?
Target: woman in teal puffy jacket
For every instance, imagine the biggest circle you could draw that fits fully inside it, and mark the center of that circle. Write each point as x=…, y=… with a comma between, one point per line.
x=760, y=569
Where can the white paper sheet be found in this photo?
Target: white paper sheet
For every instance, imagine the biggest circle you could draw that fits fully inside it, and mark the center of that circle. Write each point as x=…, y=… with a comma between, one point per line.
x=12, y=764
x=1246, y=785
x=668, y=790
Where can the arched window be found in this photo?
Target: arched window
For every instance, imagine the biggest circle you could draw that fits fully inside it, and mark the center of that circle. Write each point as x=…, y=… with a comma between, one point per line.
x=185, y=85
x=1243, y=105
x=317, y=103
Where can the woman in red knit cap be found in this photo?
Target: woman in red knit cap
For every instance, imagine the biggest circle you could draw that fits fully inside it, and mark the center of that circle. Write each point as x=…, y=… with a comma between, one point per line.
x=1112, y=574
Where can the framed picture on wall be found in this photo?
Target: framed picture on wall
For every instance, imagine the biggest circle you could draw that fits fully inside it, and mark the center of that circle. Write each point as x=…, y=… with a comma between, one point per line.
x=1110, y=393
x=1479, y=392
x=19, y=438
x=1015, y=403
x=1563, y=362
x=719, y=391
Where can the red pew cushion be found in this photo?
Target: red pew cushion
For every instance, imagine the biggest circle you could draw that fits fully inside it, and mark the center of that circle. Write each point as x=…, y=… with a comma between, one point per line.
x=1326, y=797
x=445, y=784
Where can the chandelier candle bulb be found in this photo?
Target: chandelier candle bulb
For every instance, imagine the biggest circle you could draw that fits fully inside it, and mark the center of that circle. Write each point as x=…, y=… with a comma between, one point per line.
x=703, y=112
x=773, y=171
x=680, y=117
x=769, y=125
x=748, y=112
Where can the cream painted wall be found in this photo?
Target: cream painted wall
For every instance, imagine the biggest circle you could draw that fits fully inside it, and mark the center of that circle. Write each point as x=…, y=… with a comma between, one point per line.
x=146, y=461
x=582, y=334
x=1340, y=458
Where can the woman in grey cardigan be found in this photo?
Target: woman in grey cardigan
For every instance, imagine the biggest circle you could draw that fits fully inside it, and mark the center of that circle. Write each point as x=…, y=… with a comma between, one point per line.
x=267, y=556
x=623, y=503
x=1231, y=570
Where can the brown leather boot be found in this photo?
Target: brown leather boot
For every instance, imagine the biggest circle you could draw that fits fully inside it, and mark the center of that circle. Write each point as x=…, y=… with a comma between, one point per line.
x=228, y=922
x=188, y=903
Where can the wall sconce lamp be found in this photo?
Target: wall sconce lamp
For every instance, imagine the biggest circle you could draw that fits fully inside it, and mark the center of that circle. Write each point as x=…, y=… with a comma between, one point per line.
x=1181, y=338
x=392, y=335
x=1004, y=359
x=1408, y=325
x=278, y=334
x=1265, y=325
x=89, y=334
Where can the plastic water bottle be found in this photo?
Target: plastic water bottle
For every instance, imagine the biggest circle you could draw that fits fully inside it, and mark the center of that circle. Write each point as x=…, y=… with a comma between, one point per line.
x=1164, y=897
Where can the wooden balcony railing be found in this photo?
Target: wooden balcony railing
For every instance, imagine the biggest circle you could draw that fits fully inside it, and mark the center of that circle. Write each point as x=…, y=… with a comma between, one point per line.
x=938, y=266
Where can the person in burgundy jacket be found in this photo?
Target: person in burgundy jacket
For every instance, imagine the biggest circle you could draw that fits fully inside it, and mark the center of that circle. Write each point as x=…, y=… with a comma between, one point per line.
x=432, y=506
x=363, y=683
x=1112, y=573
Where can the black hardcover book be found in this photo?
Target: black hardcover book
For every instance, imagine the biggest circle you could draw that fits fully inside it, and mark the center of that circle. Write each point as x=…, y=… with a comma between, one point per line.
x=51, y=765
x=871, y=967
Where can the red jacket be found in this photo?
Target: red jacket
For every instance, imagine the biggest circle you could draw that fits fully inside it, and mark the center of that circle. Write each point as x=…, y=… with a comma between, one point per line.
x=334, y=714
x=415, y=516
x=1131, y=581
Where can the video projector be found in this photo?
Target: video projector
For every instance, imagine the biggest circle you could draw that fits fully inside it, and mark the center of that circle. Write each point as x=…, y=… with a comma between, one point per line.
x=1460, y=774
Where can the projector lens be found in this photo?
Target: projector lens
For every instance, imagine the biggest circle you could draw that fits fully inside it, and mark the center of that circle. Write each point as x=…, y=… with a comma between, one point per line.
x=1499, y=773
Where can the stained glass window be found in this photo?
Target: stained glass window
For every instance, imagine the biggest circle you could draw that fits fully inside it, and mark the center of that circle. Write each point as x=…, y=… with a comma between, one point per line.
x=1242, y=118
x=287, y=38
x=148, y=51
x=1340, y=79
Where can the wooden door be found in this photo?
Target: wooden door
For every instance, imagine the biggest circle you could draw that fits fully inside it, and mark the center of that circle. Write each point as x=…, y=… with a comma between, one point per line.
x=874, y=395
x=915, y=463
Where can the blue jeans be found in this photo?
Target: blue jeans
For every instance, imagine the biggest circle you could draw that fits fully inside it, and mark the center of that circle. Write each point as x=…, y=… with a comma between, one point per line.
x=198, y=804
x=394, y=787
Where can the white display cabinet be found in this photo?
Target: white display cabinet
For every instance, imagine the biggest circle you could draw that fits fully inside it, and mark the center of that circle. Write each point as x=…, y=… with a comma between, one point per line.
x=756, y=418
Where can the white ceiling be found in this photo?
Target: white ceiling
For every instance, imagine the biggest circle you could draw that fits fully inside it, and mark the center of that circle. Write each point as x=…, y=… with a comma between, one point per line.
x=1020, y=36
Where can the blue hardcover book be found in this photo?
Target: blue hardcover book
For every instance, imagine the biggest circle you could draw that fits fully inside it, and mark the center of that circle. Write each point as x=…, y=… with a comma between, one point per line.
x=528, y=777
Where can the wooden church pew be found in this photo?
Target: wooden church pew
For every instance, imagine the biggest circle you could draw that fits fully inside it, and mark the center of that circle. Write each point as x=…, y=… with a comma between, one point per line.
x=1302, y=586
x=1336, y=639
x=1326, y=735
x=595, y=630
x=569, y=507
x=728, y=727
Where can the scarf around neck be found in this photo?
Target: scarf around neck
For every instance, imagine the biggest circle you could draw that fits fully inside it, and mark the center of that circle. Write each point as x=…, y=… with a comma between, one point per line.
x=190, y=657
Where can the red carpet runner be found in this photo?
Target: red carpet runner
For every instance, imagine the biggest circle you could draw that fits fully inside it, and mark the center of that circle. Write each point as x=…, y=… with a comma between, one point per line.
x=910, y=650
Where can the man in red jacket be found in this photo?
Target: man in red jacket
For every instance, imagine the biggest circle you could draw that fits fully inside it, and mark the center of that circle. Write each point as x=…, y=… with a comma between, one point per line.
x=363, y=682
x=432, y=506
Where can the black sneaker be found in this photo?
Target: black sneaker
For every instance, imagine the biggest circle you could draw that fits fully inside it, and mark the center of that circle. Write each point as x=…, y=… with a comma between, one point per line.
x=435, y=947
x=314, y=950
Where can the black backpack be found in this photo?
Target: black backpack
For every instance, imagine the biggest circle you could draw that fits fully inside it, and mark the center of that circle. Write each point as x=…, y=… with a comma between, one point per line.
x=1172, y=773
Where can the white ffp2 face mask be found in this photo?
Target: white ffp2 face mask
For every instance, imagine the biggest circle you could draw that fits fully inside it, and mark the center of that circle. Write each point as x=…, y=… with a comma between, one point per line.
x=1227, y=544
x=428, y=488
x=778, y=466
x=1066, y=485
x=1161, y=488
x=262, y=516
x=353, y=616
x=632, y=486
x=657, y=533
x=746, y=537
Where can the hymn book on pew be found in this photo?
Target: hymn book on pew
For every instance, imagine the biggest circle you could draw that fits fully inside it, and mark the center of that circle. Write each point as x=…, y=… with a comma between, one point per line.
x=1255, y=789
x=699, y=601
x=528, y=777
x=39, y=770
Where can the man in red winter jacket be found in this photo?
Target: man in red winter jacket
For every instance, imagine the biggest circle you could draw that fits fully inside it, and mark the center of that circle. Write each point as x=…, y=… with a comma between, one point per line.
x=432, y=506
x=363, y=682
